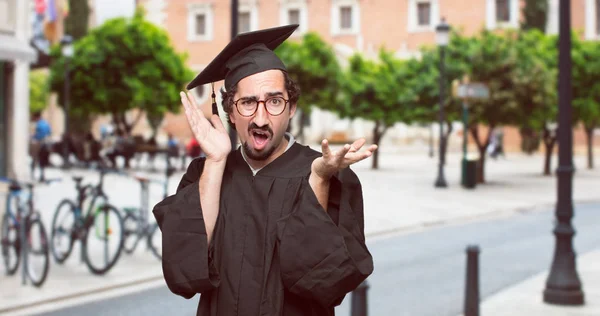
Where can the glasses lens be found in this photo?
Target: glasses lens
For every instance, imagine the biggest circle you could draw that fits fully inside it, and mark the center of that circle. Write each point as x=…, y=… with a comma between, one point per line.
x=247, y=107
x=275, y=105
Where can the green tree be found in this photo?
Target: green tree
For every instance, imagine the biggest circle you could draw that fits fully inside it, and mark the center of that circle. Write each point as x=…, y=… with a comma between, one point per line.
x=76, y=23
x=313, y=65
x=491, y=59
x=38, y=91
x=535, y=89
x=121, y=65
x=586, y=90
x=535, y=13
x=382, y=92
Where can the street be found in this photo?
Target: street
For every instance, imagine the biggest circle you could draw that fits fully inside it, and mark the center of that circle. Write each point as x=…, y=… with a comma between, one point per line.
x=420, y=273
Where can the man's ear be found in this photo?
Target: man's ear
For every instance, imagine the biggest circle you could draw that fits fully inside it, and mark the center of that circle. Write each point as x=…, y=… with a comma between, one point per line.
x=292, y=110
x=231, y=117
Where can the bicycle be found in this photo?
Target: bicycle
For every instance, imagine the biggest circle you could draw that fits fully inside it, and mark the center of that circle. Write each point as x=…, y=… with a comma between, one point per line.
x=18, y=240
x=137, y=225
x=101, y=222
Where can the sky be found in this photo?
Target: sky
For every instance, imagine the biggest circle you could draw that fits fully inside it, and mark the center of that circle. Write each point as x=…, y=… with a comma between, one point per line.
x=108, y=9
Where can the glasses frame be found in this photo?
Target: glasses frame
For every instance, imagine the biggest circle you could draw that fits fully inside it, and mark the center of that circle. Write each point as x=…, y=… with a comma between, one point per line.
x=264, y=102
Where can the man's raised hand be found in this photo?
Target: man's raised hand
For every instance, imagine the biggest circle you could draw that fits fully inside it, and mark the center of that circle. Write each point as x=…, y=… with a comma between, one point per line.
x=213, y=139
x=332, y=162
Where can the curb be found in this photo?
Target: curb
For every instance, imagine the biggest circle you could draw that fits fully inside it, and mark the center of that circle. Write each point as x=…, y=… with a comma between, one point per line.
x=99, y=290
x=496, y=214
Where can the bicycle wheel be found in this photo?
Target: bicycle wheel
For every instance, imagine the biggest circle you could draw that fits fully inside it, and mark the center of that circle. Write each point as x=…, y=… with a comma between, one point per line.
x=131, y=235
x=155, y=241
x=63, y=231
x=103, y=240
x=10, y=245
x=37, y=252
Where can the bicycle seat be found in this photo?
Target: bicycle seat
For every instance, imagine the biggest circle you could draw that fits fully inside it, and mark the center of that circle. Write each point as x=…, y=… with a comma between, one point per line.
x=77, y=179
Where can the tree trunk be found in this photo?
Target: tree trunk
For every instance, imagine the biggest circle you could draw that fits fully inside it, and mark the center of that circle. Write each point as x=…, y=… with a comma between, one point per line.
x=549, y=142
x=481, y=146
x=589, y=132
x=378, y=133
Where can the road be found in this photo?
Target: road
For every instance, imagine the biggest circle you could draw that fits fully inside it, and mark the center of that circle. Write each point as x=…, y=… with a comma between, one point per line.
x=419, y=273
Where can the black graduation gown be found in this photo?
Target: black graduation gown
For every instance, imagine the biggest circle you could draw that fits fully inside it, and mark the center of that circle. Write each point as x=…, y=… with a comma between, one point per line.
x=274, y=251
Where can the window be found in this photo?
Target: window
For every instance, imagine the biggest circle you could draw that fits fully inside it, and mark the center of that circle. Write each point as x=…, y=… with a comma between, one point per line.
x=200, y=22
x=423, y=15
x=424, y=11
x=294, y=16
x=294, y=12
x=247, y=16
x=244, y=22
x=345, y=17
x=502, y=14
x=503, y=11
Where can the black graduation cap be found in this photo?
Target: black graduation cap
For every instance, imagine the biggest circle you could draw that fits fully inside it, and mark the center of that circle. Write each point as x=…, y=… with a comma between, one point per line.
x=247, y=54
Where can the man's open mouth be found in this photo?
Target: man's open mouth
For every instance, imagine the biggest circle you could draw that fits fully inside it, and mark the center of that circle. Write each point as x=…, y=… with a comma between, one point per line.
x=260, y=138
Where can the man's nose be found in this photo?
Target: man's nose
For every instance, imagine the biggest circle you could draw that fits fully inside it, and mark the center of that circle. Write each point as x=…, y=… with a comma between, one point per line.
x=261, y=117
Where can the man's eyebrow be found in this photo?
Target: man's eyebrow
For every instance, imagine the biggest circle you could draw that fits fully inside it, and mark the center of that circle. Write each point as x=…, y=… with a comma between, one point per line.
x=274, y=94
x=249, y=98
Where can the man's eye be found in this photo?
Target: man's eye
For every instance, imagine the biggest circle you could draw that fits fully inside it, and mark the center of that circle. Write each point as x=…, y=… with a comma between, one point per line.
x=247, y=102
x=274, y=101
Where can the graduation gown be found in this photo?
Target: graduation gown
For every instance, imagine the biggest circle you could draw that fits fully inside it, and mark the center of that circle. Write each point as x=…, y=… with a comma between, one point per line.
x=275, y=250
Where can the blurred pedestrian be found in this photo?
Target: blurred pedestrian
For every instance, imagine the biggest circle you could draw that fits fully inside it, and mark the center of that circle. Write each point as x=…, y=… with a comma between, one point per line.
x=40, y=145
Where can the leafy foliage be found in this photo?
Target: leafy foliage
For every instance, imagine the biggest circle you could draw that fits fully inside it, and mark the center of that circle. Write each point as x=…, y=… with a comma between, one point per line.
x=121, y=65
x=38, y=91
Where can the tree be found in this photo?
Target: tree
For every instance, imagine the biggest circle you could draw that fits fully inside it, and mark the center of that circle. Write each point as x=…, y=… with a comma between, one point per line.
x=38, y=91
x=76, y=23
x=491, y=59
x=535, y=14
x=586, y=90
x=122, y=65
x=313, y=65
x=382, y=92
x=535, y=89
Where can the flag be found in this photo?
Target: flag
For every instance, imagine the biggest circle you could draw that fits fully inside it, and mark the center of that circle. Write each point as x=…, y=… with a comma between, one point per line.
x=40, y=6
x=51, y=11
x=65, y=8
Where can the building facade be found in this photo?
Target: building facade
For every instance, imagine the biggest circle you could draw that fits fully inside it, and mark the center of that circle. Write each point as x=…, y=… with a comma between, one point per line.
x=16, y=55
x=202, y=28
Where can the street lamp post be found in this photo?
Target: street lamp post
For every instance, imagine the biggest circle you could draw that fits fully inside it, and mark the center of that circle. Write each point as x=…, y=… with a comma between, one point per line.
x=563, y=286
x=234, y=31
x=67, y=52
x=442, y=39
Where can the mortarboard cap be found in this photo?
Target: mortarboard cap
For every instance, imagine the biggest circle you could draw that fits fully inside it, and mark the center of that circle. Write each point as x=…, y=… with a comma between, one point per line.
x=247, y=54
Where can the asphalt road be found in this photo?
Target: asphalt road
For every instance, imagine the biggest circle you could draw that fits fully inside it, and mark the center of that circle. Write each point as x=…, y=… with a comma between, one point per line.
x=420, y=273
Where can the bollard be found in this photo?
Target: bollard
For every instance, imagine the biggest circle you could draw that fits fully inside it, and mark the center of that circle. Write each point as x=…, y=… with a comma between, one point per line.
x=472, y=282
x=359, y=300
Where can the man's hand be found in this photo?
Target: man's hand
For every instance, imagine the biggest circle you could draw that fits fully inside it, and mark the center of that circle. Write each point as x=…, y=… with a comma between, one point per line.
x=331, y=162
x=214, y=141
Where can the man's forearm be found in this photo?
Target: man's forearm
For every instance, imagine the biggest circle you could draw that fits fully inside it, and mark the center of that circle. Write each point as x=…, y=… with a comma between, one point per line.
x=210, y=193
x=320, y=187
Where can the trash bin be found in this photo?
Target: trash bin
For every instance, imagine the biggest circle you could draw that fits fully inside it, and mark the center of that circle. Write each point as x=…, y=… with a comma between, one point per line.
x=469, y=173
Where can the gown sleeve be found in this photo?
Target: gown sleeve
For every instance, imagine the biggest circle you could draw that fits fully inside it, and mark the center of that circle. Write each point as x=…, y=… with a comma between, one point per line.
x=322, y=254
x=187, y=259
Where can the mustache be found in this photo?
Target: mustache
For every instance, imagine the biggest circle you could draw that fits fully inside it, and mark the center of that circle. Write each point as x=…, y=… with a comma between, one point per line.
x=265, y=128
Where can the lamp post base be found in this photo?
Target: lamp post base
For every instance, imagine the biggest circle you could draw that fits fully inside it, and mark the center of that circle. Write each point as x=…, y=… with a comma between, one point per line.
x=441, y=182
x=563, y=296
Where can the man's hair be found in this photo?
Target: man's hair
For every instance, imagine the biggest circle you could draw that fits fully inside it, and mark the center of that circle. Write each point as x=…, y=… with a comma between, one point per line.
x=291, y=86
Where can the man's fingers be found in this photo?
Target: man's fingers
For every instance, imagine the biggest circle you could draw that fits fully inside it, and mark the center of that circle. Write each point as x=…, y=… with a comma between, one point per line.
x=217, y=123
x=340, y=154
x=325, y=148
x=357, y=145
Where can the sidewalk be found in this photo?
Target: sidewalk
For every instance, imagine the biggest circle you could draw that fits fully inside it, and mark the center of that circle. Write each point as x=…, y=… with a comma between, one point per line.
x=526, y=298
x=399, y=197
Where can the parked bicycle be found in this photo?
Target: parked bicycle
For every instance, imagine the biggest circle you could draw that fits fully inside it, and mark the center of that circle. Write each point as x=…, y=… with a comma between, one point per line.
x=93, y=221
x=23, y=234
x=136, y=221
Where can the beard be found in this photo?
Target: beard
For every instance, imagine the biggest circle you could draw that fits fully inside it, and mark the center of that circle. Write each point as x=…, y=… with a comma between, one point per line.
x=258, y=156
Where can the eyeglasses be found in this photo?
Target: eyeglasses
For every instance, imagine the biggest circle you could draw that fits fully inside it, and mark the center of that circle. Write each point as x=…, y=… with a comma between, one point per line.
x=274, y=106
